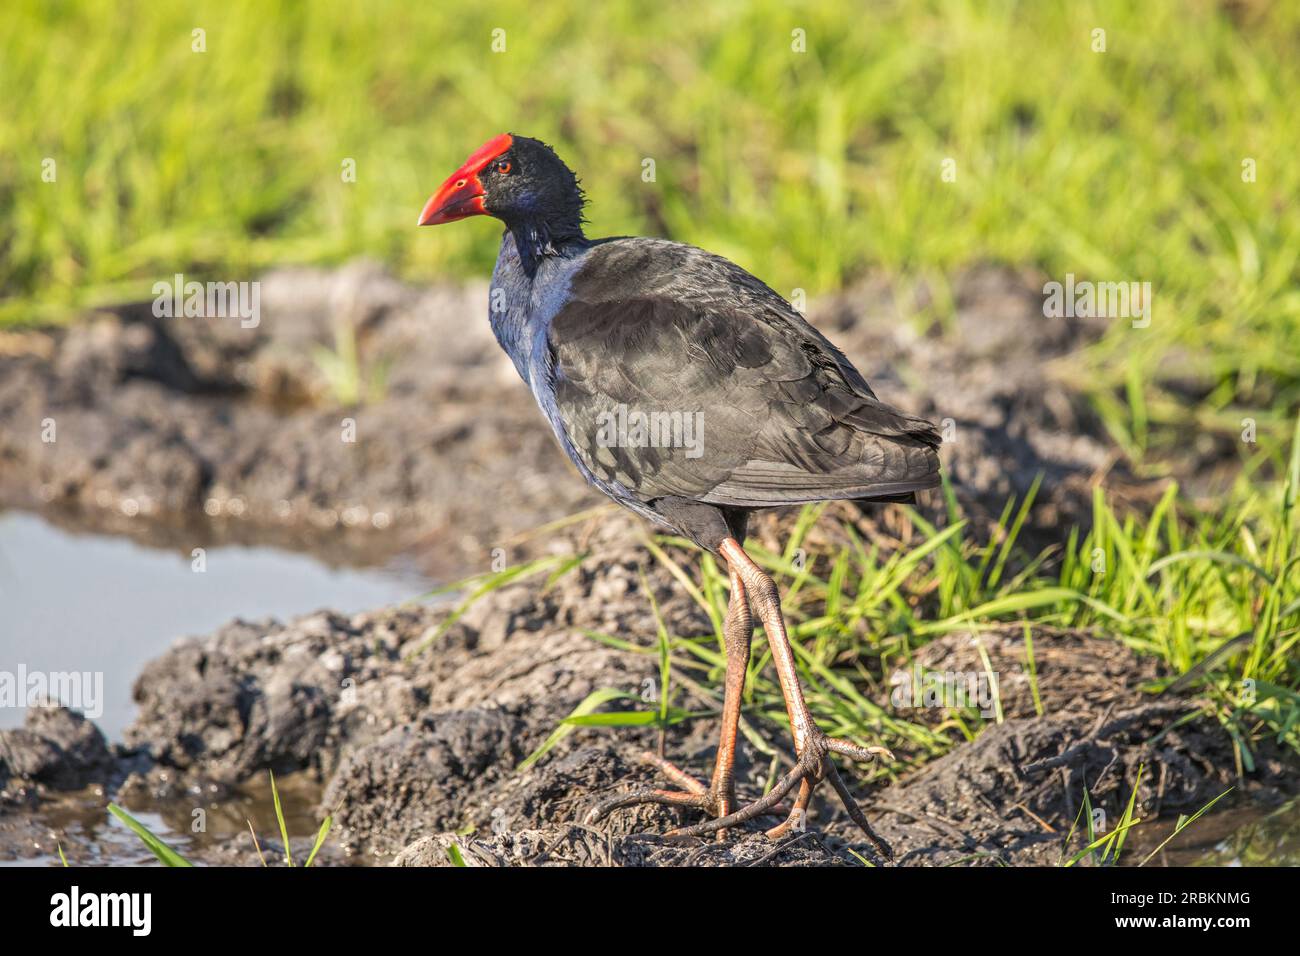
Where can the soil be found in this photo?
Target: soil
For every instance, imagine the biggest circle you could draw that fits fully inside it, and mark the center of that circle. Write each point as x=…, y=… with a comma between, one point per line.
x=413, y=724
x=413, y=746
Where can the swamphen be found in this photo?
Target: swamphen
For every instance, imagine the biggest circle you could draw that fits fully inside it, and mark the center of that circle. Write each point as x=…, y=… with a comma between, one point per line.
x=689, y=392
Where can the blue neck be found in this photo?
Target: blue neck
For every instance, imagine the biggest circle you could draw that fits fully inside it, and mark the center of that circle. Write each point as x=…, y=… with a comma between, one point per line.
x=529, y=285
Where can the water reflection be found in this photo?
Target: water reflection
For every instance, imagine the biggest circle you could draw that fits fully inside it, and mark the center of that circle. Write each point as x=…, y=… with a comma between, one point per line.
x=87, y=603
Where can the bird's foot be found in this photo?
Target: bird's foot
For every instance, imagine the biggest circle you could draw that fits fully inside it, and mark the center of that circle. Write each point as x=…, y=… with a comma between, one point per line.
x=717, y=801
x=813, y=766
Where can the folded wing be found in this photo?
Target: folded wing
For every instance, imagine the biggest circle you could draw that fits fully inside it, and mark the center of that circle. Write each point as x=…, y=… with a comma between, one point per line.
x=678, y=373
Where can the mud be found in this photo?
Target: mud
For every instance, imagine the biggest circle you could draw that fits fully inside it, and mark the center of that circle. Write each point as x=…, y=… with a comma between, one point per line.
x=55, y=748
x=413, y=736
x=162, y=426
x=417, y=748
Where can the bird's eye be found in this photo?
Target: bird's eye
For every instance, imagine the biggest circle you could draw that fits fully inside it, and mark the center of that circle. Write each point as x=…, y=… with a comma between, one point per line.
x=503, y=166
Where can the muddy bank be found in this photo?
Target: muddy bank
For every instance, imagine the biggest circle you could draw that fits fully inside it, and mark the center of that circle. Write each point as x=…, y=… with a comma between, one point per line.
x=165, y=428
x=414, y=745
x=56, y=749
x=165, y=425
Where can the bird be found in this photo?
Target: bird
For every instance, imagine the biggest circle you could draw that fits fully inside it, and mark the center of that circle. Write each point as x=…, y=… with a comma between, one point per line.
x=689, y=392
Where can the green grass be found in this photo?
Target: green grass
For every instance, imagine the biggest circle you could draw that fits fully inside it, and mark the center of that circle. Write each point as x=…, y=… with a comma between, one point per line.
x=1104, y=848
x=808, y=168
x=163, y=851
x=1175, y=585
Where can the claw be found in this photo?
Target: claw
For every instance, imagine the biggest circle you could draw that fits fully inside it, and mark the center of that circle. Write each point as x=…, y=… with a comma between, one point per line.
x=857, y=753
x=692, y=794
x=674, y=798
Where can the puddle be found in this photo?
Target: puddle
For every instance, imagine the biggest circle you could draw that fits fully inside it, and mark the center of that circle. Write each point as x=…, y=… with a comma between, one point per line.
x=1242, y=836
x=79, y=824
x=105, y=605
x=79, y=602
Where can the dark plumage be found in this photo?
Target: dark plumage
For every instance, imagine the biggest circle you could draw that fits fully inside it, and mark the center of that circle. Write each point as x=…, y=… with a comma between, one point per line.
x=786, y=419
x=735, y=402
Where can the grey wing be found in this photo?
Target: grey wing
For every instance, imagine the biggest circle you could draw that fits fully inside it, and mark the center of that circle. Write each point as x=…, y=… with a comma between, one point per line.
x=755, y=407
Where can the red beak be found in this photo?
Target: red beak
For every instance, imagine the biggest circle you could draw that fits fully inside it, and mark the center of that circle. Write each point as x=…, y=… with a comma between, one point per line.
x=461, y=196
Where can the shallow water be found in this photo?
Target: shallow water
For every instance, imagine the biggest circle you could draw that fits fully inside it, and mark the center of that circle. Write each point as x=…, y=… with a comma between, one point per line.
x=1241, y=836
x=103, y=606
x=79, y=825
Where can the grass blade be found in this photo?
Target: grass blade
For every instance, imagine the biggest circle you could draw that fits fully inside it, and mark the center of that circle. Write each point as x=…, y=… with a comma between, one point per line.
x=589, y=704
x=325, y=826
x=279, y=816
x=1183, y=824
x=166, y=855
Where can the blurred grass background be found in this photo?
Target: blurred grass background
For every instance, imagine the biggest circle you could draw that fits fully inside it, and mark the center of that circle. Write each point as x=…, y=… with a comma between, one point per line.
x=809, y=168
